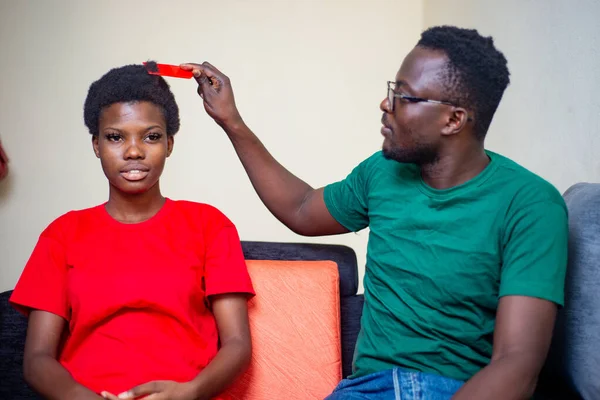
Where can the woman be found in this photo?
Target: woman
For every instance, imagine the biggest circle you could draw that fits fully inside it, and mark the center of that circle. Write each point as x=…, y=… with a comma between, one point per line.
x=141, y=295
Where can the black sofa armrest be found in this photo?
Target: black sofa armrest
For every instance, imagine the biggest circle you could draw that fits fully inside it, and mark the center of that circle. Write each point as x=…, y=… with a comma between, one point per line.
x=13, y=329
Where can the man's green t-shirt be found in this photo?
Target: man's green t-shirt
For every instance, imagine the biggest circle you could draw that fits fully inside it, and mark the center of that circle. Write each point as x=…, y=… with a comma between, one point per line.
x=439, y=260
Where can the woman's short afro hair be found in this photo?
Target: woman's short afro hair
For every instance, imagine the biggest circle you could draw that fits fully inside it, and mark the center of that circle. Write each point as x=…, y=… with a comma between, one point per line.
x=130, y=83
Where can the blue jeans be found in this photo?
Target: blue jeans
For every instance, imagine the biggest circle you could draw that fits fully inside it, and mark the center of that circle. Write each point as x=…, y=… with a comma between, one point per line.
x=396, y=384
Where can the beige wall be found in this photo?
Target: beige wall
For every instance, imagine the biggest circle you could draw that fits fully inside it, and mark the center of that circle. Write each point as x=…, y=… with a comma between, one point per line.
x=549, y=119
x=308, y=75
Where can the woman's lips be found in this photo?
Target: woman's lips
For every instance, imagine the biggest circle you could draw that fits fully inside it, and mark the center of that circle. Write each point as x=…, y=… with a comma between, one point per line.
x=134, y=175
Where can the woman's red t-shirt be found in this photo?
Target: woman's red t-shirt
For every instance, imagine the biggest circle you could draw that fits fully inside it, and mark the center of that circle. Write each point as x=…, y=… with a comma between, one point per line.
x=135, y=295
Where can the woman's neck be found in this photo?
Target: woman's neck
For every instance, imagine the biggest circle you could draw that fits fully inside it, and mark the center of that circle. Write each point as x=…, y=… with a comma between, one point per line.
x=134, y=208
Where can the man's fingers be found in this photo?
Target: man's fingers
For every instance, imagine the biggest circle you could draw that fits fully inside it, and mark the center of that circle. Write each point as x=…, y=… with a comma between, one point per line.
x=212, y=67
x=146, y=388
x=200, y=73
x=109, y=396
x=187, y=66
x=206, y=68
x=218, y=75
x=201, y=69
x=215, y=78
x=192, y=67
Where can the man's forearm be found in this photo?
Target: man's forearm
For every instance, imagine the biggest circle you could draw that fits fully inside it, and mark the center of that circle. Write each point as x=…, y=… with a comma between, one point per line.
x=231, y=360
x=512, y=377
x=53, y=381
x=281, y=191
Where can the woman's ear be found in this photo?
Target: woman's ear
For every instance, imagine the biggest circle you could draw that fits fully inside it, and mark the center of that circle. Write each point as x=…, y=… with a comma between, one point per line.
x=170, y=144
x=95, y=145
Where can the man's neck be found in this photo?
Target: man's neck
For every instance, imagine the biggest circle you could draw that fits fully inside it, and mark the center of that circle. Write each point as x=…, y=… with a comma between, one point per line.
x=455, y=168
x=134, y=208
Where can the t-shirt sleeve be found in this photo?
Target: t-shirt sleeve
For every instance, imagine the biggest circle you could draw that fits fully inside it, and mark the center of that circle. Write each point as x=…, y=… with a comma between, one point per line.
x=346, y=200
x=535, y=252
x=43, y=283
x=225, y=267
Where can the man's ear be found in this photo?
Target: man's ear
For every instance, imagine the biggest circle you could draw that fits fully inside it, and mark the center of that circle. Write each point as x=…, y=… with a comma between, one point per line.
x=170, y=144
x=95, y=145
x=456, y=122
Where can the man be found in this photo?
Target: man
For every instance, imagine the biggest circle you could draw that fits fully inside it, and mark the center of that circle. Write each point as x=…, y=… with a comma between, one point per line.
x=467, y=250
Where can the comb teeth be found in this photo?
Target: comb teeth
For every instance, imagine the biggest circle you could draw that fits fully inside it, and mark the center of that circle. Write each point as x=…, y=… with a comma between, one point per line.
x=169, y=70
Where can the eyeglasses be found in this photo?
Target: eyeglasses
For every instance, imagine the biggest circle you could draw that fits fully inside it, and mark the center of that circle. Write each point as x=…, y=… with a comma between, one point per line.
x=392, y=95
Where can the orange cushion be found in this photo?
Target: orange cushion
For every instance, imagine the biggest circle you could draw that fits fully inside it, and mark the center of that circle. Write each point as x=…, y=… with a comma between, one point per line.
x=295, y=326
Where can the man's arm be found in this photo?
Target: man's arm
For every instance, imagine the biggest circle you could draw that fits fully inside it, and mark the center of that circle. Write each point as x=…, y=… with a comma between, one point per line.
x=41, y=368
x=291, y=200
x=522, y=337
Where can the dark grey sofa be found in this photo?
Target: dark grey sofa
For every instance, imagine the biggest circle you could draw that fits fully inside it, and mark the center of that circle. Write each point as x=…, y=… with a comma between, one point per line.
x=573, y=366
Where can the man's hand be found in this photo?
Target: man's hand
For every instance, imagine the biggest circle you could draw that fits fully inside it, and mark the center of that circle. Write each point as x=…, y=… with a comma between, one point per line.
x=215, y=90
x=291, y=200
x=158, y=390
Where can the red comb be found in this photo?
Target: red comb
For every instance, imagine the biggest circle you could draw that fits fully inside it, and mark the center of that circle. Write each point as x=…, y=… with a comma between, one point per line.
x=170, y=70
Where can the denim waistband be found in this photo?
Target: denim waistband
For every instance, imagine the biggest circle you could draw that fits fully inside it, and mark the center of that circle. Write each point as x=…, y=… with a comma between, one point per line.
x=397, y=384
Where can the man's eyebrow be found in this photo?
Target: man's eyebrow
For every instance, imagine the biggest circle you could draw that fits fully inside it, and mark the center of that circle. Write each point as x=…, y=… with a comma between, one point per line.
x=401, y=83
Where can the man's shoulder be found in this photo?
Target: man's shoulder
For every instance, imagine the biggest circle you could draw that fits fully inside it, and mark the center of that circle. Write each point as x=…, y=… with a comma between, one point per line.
x=524, y=186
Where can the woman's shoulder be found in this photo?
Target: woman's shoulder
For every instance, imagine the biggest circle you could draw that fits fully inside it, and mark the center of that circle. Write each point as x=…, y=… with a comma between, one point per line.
x=201, y=212
x=71, y=221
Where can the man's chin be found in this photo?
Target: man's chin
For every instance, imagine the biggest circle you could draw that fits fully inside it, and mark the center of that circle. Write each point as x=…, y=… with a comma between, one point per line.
x=386, y=153
x=390, y=153
x=394, y=154
x=419, y=156
x=387, y=150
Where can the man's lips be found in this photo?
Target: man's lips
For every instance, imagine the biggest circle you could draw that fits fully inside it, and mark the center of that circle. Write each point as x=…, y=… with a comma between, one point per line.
x=385, y=129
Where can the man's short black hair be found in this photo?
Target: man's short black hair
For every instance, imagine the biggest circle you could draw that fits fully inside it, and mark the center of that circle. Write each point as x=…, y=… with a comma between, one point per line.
x=476, y=74
x=130, y=83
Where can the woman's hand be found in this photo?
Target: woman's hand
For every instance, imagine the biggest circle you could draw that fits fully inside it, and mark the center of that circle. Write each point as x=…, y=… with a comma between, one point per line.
x=231, y=314
x=158, y=390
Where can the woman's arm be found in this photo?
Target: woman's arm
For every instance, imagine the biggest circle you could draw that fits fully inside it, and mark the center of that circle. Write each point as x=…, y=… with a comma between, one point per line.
x=40, y=366
x=231, y=314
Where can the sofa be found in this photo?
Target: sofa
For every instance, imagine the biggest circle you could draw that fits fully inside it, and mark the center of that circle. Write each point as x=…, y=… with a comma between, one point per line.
x=307, y=256
x=572, y=370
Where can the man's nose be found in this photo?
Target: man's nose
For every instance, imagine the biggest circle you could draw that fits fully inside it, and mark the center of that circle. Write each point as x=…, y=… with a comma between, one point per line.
x=385, y=106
